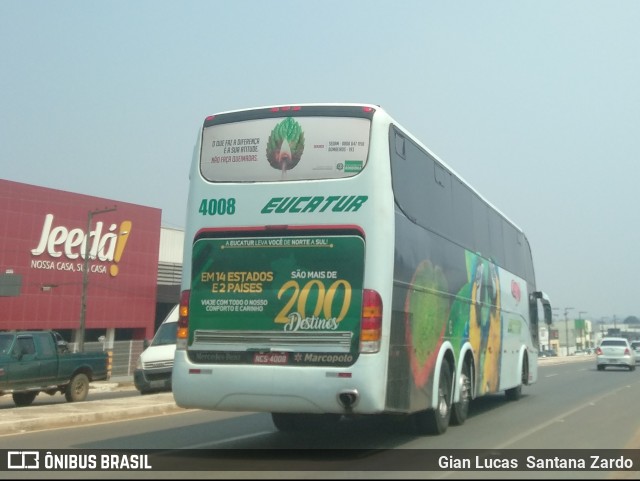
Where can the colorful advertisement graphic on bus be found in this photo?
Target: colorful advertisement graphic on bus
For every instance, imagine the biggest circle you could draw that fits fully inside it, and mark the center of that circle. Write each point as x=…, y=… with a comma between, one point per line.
x=474, y=316
x=426, y=318
x=484, y=322
x=277, y=299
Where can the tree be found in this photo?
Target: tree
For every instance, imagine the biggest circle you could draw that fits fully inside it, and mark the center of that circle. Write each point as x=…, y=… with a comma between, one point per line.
x=632, y=320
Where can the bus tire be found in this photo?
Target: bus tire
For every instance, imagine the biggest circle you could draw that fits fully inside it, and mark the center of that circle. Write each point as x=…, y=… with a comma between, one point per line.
x=460, y=410
x=78, y=388
x=24, y=398
x=285, y=422
x=436, y=420
x=515, y=393
x=291, y=422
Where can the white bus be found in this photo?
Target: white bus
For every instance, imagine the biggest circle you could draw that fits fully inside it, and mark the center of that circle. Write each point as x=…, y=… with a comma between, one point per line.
x=335, y=267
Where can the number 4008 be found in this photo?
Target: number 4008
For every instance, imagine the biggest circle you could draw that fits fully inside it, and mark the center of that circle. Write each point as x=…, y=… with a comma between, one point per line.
x=218, y=206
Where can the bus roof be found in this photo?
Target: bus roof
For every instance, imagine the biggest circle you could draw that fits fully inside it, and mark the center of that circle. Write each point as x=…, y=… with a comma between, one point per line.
x=379, y=110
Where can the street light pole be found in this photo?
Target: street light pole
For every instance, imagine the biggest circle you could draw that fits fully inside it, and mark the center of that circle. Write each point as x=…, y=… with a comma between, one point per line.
x=85, y=276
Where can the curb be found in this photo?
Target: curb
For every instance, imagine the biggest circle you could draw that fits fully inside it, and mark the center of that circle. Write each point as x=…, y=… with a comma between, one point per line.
x=102, y=386
x=91, y=412
x=565, y=359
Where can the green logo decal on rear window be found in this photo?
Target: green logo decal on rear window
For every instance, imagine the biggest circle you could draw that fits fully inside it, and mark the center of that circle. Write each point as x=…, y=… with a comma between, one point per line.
x=353, y=165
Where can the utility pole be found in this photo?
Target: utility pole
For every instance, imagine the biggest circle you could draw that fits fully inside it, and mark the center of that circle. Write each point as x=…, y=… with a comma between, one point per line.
x=582, y=335
x=85, y=276
x=566, y=326
x=556, y=317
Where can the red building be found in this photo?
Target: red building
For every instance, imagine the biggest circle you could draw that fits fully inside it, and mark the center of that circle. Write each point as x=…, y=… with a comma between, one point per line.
x=44, y=236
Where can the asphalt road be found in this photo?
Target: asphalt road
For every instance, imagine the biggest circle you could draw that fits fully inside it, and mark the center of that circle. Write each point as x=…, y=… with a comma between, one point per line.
x=118, y=399
x=572, y=406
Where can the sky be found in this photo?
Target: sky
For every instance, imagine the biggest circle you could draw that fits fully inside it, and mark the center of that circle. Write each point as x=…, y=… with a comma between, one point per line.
x=534, y=103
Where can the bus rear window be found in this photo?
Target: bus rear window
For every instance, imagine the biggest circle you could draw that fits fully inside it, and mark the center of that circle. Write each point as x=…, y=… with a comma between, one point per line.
x=284, y=149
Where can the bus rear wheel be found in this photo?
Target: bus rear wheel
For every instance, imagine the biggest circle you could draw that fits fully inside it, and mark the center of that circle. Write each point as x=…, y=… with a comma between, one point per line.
x=292, y=422
x=284, y=422
x=515, y=393
x=460, y=410
x=436, y=420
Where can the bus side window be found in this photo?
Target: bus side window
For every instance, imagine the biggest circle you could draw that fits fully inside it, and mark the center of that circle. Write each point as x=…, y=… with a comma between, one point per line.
x=400, y=146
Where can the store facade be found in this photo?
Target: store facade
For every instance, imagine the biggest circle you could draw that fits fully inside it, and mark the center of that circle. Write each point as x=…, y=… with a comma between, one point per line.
x=77, y=263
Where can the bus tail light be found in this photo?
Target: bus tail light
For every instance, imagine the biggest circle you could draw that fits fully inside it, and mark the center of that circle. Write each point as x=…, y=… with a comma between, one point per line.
x=182, y=336
x=371, y=322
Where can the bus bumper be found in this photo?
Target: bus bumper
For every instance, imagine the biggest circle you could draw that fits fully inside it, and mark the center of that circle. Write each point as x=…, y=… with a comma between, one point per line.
x=278, y=388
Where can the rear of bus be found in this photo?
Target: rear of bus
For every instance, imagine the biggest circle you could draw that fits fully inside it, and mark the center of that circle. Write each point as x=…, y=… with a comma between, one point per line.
x=288, y=262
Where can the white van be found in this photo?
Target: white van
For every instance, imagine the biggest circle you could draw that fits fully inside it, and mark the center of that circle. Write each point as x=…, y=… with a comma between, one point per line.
x=153, y=370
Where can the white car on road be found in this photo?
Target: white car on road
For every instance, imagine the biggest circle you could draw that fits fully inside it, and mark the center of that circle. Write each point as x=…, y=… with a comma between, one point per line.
x=615, y=351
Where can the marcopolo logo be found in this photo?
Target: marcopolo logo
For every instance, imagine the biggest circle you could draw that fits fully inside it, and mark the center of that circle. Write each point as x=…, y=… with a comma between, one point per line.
x=61, y=243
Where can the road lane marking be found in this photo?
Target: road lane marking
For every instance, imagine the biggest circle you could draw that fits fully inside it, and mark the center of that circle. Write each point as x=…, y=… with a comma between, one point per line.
x=557, y=419
x=229, y=440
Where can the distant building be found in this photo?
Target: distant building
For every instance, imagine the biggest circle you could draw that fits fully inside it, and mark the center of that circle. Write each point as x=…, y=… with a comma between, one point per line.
x=134, y=265
x=602, y=329
x=567, y=336
x=169, y=271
